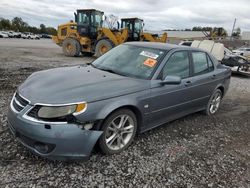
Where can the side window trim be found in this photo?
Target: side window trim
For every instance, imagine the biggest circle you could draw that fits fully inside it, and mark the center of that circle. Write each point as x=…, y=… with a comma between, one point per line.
x=191, y=66
x=209, y=59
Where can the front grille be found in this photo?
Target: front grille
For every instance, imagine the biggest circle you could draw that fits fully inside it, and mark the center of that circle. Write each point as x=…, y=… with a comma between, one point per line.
x=21, y=100
x=19, y=103
x=33, y=113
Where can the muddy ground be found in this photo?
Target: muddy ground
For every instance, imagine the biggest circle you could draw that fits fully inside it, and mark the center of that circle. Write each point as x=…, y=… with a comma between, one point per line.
x=194, y=151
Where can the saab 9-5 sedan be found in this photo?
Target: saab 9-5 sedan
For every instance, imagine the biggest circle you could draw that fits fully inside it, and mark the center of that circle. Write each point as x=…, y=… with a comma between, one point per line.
x=63, y=113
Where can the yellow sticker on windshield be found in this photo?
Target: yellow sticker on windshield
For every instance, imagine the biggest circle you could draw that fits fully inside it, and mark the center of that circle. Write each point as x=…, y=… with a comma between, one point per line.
x=150, y=62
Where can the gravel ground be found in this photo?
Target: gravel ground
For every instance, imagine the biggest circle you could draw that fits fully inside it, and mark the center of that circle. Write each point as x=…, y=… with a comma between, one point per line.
x=194, y=151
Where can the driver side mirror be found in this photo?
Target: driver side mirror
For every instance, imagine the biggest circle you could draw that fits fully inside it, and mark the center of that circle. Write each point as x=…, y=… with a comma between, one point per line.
x=171, y=80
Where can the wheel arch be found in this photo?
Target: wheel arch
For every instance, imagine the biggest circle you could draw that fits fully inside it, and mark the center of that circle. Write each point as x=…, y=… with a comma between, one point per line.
x=133, y=108
x=107, y=33
x=222, y=89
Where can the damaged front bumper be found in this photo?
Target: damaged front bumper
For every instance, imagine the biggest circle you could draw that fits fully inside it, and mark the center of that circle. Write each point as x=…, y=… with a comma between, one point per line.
x=54, y=141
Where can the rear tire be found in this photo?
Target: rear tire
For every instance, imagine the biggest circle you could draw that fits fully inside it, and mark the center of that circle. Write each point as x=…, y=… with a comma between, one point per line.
x=119, y=130
x=214, y=103
x=71, y=47
x=102, y=46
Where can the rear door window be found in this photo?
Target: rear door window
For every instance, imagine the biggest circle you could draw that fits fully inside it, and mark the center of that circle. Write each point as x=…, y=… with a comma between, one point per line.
x=201, y=64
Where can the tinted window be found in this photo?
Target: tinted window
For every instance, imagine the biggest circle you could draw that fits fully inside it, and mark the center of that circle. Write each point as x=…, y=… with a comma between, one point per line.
x=138, y=26
x=210, y=63
x=200, y=62
x=177, y=65
x=83, y=18
x=241, y=49
x=187, y=43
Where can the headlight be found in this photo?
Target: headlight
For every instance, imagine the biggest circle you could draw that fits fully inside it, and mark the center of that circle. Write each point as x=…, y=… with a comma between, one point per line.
x=60, y=111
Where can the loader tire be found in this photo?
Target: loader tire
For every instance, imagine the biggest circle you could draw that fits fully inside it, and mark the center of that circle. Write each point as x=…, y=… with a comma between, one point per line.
x=71, y=47
x=102, y=46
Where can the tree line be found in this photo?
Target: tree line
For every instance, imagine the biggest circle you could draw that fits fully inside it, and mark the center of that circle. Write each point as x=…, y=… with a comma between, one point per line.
x=199, y=28
x=220, y=30
x=18, y=25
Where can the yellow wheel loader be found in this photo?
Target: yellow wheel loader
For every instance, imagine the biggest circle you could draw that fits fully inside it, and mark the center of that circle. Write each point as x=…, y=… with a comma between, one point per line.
x=136, y=33
x=86, y=35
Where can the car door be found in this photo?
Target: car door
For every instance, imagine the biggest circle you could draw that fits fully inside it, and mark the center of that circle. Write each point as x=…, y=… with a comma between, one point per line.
x=204, y=78
x=169, y=102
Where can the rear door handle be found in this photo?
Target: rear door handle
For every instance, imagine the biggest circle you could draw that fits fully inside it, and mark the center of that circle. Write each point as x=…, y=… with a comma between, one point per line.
x=188, y=83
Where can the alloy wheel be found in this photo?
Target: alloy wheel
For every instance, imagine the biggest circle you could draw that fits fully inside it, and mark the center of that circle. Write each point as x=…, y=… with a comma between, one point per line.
x=215, y=103
x=119, y=132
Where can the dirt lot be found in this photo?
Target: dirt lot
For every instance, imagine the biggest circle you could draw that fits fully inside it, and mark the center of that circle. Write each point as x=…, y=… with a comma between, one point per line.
x=195, y=151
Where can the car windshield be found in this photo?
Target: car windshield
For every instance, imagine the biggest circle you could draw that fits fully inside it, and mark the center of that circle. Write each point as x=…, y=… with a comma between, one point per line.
x=130, y=60
x=241, y=49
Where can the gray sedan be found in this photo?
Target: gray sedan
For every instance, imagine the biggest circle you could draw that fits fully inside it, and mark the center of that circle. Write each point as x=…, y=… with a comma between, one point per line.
x=63, y=113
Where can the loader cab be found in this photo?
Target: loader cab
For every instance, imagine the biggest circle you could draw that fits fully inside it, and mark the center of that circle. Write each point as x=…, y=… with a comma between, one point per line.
x=135, y=27
x=88, y=21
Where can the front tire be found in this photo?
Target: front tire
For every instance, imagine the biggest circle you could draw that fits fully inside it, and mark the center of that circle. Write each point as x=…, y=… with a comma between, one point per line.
x=71, y=47
x=119, y=130
x=102, y=46
x=214, y=103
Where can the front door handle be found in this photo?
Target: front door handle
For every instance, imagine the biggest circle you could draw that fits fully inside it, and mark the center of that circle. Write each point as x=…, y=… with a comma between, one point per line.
x=213, y=76
x=188, y=83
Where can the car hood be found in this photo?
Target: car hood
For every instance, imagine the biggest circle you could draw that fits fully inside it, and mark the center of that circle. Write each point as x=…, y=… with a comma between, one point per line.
x=77, y=84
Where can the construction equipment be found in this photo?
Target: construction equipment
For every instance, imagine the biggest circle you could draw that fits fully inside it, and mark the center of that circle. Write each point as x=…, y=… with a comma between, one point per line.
x=215, y=33
x=87, y=34
x=136, y=33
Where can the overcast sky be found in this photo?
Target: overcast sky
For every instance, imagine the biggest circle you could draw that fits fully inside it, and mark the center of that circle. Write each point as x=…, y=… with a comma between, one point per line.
x=157, y=14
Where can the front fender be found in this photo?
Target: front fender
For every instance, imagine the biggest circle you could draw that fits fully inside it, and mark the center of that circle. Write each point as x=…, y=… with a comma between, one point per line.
x=99, y=110
x=110, y=107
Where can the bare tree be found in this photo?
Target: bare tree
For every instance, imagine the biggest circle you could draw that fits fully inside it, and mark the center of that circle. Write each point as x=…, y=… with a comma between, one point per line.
x=111, y=21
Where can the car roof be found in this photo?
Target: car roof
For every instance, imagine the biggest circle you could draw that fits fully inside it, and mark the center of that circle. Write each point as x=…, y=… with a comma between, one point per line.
x=162, y=46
